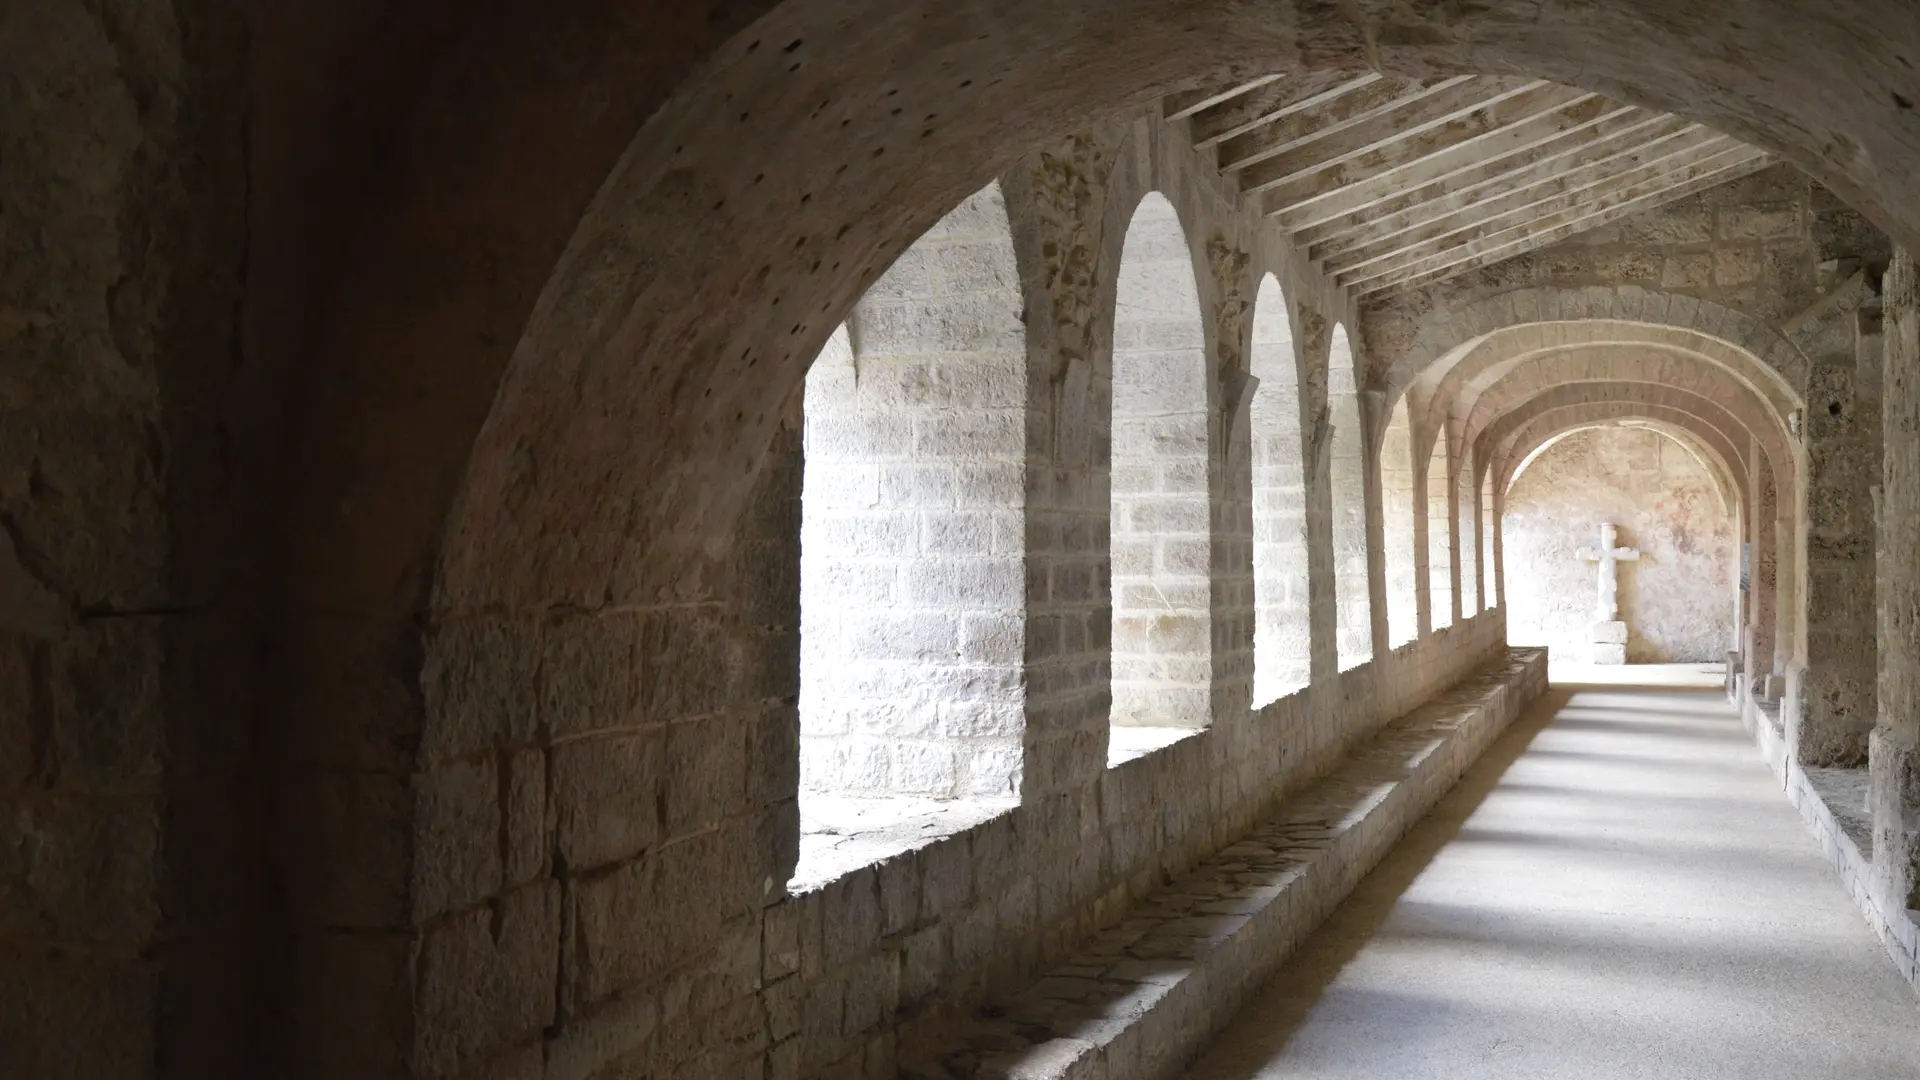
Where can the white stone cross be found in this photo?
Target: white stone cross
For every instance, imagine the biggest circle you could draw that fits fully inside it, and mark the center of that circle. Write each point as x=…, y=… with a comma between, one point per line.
x=1607, y=602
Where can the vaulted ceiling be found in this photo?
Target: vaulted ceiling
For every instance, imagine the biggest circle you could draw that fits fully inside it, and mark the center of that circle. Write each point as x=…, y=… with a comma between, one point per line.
x=1390, y=183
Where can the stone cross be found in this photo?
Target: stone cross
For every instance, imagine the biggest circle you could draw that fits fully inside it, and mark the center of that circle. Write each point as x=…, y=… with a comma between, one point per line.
x=1607, y=602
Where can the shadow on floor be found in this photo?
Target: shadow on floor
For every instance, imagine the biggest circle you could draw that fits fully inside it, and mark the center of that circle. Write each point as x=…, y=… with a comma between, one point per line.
x=1317, y=963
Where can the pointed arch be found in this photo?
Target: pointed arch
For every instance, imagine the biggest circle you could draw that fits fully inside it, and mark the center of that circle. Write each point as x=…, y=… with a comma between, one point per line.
x=1348, y=482
x=906, y=398
x=1162, y=542
x=1282, y=639
x=1440, y=532
x=1489, y=524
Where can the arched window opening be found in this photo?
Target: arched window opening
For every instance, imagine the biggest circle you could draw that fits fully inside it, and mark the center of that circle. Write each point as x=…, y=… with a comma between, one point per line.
x=1282, y=641
x=1489, y=522
x=1161, y=521
x=1396, y=502
x=1464, y=504
x=1440, y=531
x=1348, y=479
x=912, y=579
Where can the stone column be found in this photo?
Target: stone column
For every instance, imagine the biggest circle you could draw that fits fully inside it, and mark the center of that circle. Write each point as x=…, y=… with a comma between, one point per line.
x=1313, y=333
x=1895, y=761
x=1056, y=204
x=1835, y=691
x=1228, y=307
x=1762, y=578
x=1373, y=407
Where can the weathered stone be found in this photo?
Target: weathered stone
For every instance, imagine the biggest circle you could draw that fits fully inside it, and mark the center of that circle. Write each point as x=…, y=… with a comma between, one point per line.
x=607, y=798
x=487, y=979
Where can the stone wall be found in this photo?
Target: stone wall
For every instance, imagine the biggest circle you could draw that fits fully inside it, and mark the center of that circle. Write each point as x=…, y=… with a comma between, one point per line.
x=874, y=960
x=131, y=453
x=1162, y=519
x=1677, y=599
x=1283, y=649
x=1749, y=244
x=1347, y=479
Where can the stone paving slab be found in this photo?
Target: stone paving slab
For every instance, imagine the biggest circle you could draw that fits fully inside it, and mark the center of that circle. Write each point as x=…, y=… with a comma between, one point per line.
x=1140, y=998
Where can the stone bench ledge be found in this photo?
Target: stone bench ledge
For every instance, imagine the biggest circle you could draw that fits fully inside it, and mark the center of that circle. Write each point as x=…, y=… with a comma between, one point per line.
x=1139, y=998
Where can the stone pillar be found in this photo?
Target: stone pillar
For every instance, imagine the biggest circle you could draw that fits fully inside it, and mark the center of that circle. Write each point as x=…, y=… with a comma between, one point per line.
x=1835, y=691
x=1323, y=617
x=1056, y=204
x=1373, y=407
x=1762, y=577
x=1499, y=547
x=1895, y=762
x=1228, y=308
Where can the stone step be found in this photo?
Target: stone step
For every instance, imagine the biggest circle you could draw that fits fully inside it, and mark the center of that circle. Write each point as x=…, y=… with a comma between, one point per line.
x=1140, y=999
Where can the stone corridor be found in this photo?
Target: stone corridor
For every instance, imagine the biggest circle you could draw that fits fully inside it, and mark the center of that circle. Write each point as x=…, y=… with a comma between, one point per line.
x=1617, y=889
x=855, y=539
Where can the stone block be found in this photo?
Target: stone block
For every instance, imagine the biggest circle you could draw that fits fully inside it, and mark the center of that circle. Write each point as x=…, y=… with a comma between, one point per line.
x=75, y=1015
x=105, y=696
x=481, y=678
x=704, y=774
x=1609, y=654
x=487, y=979
x=529, y=832
x=606, y=798
x=456, y=837
x=81, y=869
x=1610, y=633
x=684, y=653
x=18, y=715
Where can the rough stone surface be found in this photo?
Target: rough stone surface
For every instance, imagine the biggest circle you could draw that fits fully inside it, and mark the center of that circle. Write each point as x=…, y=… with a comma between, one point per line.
x=1676, y=600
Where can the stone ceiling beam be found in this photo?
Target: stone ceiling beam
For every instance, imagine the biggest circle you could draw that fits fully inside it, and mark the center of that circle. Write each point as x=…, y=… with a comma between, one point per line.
x=1577, y=137
x=1274, y=101
x=1461, y=113
x=1514, y=125
x=1187, y=102
x=1527, y=206
x=1319, y=123
x=1529, y=181
x=1459, y=258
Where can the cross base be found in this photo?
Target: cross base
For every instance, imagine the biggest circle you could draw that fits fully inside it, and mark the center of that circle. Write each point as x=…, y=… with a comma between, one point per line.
x=1610, y=642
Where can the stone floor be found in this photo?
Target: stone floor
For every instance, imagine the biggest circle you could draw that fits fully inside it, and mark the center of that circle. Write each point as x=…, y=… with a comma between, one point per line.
x=1617, y=889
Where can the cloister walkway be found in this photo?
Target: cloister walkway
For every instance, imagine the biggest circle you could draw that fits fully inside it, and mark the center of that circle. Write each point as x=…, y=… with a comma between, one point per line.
x=1618, y=889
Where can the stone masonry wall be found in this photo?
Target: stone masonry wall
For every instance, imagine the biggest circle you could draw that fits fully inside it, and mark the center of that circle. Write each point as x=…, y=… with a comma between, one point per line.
x=1895, y=752
x=1161, y=517
x=913, y=535
x=1439, y=547
x=130, y=906
x=855, y=969
x=1677, y=599
x=1283, y=660
x=1347, y=480
x=1749, y=244
x=1834, y=696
